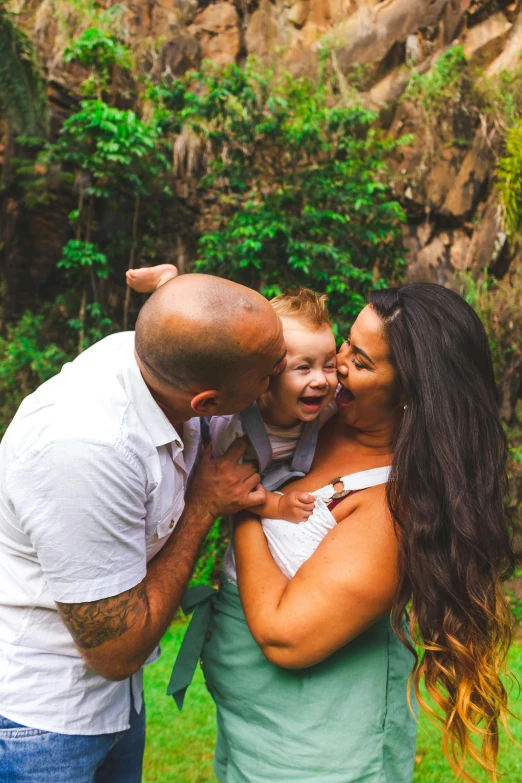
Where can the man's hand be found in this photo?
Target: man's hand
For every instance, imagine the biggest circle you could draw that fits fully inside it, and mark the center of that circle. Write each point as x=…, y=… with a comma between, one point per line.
x=296, y=506
x=223, y=486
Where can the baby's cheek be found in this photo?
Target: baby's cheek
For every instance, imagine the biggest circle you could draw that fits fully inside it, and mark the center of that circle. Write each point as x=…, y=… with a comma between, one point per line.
x=332, y=381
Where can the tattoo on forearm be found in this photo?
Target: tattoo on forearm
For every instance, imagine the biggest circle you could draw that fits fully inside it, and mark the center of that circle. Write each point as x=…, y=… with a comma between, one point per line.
x=93, y=623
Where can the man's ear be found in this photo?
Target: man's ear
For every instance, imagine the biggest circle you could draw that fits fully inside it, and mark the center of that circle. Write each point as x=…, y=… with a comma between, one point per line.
x=205, y=403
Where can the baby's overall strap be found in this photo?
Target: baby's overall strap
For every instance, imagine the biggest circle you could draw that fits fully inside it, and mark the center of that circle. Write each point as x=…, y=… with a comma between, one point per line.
x=305, y=451
x=205, y=430
x=197, y=599
x=254, y=427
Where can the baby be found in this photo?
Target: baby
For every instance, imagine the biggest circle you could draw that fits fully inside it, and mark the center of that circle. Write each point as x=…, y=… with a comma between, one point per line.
x=282, y=426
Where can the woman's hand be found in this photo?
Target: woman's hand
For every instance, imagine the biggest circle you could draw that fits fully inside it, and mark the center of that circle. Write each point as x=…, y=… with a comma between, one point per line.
x=348, y=584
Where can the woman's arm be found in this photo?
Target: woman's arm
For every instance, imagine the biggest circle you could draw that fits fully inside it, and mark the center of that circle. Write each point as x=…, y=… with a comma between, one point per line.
x=349, y=582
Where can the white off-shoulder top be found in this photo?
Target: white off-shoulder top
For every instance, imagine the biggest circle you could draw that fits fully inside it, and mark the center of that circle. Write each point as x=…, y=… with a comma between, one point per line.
x=292, y=544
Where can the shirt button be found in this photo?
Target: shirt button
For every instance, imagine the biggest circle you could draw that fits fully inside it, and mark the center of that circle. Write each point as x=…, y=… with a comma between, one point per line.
x=208, y=636
x=178, y=443
x=171, y=524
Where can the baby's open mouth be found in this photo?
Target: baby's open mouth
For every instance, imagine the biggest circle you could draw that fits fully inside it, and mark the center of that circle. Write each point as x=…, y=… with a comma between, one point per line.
x=312, y=403
x=344, y=398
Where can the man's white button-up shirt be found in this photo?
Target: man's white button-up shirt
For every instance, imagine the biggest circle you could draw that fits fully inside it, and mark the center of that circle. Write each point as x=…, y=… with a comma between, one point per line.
x=92, y=483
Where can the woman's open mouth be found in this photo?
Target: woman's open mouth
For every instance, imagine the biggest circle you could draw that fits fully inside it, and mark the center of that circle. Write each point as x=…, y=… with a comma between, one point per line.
x=312, y=404
x=344, y=398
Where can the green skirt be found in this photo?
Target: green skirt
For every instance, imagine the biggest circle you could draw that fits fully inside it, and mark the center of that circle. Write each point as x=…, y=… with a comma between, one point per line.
x=345, y=720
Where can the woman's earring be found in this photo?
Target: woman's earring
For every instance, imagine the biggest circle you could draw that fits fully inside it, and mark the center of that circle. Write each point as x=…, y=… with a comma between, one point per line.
x=404, y=407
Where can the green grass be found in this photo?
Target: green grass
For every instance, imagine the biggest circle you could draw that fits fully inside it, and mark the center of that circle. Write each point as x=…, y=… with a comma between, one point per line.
x=432, y=767
x=180, y=744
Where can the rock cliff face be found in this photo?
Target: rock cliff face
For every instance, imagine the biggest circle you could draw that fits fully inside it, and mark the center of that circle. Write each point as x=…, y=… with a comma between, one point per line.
x=379, y=33
x=446, y=188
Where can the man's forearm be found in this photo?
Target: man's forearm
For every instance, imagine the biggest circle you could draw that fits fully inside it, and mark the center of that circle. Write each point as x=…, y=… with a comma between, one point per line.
x=137, y=619
x=169, y=572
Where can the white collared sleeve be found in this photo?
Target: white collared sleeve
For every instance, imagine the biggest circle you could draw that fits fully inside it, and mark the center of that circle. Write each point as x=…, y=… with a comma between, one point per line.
x=82, y=505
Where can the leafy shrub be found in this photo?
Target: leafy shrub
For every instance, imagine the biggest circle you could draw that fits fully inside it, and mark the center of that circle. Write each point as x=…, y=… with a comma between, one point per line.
x=300, y=181
x=515, y=602
x=80, y=257
x=98, y=50
x=443, y=84
x=509, y=181
x=209, y=565
x=119, y=152
x=499, y=306
x=27, y=359
x=102, y=53
x=500, y=98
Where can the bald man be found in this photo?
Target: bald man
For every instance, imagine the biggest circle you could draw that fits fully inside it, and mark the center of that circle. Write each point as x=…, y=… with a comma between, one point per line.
x=98, y=532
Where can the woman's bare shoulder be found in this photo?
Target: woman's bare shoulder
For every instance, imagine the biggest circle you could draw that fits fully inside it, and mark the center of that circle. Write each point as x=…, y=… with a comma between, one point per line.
x=359, y=556
x=369, y=519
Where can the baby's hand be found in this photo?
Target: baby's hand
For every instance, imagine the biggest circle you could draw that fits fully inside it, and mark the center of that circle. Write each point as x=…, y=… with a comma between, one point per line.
x=296, y=506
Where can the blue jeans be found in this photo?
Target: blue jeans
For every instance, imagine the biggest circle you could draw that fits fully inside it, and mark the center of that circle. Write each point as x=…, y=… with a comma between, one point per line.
x=35, y=756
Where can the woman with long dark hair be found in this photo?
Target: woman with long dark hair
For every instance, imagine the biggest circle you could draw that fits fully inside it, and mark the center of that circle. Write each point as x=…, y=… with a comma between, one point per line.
x=447, y=499
x=313, y=687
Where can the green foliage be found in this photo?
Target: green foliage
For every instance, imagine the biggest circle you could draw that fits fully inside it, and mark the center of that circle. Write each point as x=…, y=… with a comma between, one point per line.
x=516, y=453
x=443, y=86
x=164, y=101
x=500, y=99
x=113, y=155
x=74, y=16
x=105, y=153
x=447, y=100
x=509, y=181
x=359, y=76
x=451, y=91
x=109, y=151
x=499, y=306
x=295, y=174
x=83, y=263
x=33, y=170
x=92, y=325
x=99, y=50
x=27, y=359
x=208, y=567
x=515, y=606
x=23, y=97
x=79, y=258
x=300, y=179
x=102, y=52
x=118, y=151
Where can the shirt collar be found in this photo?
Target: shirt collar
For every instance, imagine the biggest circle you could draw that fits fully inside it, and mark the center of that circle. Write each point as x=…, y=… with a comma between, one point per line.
x=158, y=426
